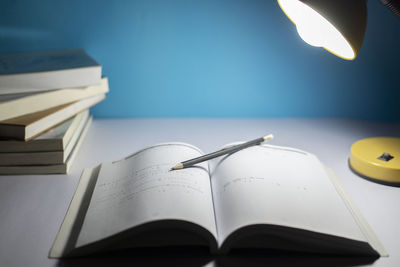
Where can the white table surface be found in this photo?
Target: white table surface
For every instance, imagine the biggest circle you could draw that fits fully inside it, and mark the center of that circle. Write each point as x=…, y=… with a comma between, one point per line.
x=32, y=207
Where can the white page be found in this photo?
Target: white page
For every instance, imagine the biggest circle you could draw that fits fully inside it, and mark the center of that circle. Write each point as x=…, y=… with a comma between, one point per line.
x=142, y=189
x=279, y=186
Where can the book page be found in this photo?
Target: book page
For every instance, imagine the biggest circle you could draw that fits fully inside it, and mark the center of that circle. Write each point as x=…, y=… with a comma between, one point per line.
x=141, y=189
x=278, y=186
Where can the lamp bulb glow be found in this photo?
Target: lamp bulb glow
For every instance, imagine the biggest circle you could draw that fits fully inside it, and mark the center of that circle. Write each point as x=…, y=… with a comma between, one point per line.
x=316, y=30
x=309, y=36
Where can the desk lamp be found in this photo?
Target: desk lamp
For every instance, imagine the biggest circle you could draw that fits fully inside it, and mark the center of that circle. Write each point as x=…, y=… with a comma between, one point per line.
x=339, y=26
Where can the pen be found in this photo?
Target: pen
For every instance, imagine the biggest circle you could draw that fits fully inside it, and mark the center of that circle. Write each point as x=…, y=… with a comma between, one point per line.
x=221, y=152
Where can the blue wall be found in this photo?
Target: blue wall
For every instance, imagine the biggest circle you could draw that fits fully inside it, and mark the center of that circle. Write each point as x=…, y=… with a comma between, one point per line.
x=213, y=58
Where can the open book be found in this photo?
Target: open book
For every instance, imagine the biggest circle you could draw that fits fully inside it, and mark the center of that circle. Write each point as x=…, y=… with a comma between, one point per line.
x=260, y=197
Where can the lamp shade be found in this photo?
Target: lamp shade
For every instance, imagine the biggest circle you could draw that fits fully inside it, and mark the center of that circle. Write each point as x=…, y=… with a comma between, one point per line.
x=336, y=25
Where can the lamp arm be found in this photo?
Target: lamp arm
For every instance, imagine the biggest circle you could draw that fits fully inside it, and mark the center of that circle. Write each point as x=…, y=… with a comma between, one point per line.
x=393, y=5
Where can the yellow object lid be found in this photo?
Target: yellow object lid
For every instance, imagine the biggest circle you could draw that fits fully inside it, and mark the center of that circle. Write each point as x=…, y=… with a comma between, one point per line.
x=377, y=158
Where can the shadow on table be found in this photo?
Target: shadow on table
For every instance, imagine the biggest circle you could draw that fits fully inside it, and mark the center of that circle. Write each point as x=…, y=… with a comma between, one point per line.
x=201, y=256
x=255, y=258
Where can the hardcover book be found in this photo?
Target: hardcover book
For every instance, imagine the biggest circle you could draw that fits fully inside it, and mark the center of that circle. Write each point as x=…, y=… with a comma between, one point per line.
x=55, y=139
x=29, y=126
x=260, y=197
x=67, y=133
x=16, y=105
x=46, y=70
x=51, y=168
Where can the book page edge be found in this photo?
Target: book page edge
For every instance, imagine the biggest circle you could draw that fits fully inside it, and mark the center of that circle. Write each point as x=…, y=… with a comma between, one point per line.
x=59, y=247
x=359, y=218
x=78, y=144
x=75, y=137
x=77, y=121
x=42, y=125
x=34, y=103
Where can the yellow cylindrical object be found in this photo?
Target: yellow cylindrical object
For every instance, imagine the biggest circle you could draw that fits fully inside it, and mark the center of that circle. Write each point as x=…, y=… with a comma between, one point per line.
x=377, y=158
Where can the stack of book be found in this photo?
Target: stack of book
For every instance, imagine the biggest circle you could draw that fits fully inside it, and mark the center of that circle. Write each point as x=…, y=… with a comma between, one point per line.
x=44, y=109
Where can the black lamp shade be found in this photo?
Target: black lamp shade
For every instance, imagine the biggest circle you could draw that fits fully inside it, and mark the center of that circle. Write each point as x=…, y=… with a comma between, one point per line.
x=349, y=17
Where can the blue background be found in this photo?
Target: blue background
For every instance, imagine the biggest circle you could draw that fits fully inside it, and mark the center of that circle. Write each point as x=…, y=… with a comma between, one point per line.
x=213, y=58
